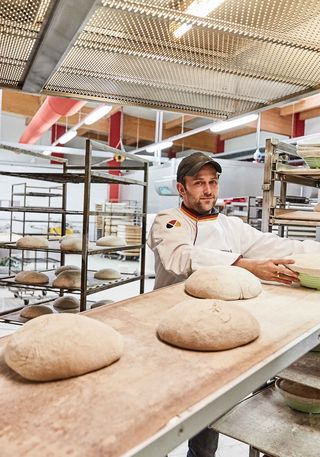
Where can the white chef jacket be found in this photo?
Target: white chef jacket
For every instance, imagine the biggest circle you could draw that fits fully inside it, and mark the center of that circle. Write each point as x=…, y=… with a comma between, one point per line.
x=183, y=241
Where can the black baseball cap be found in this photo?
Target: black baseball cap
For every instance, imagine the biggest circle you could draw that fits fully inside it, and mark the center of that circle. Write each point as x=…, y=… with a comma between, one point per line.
x=190, y=165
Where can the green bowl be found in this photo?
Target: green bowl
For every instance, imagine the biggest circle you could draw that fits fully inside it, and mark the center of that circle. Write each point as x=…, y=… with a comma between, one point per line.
x=313, y=162
x=312, y=282
x=305, y=404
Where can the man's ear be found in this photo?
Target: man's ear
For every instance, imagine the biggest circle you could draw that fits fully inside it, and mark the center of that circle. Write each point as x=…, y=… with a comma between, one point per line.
x=180, y=189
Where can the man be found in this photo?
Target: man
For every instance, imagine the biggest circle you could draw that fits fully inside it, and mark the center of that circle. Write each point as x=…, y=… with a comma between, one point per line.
x=196, y=235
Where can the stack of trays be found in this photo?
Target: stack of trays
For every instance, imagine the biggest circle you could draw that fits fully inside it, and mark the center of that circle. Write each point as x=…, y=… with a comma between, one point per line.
x=310, y=152
x=132, y=235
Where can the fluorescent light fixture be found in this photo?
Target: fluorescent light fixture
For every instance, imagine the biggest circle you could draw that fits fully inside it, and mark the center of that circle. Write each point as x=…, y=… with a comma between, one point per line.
x=199, y=8
x=67, y=136
x=159, y=146
x=97, y=114
x=232, y=123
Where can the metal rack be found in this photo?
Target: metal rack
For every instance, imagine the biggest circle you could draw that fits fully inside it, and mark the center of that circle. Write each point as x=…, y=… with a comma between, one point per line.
x=86, y=174
x=274, y=210
x=28, y=193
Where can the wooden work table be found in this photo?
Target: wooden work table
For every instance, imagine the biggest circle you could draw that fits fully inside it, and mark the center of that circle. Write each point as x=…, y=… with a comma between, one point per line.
x=156, y=396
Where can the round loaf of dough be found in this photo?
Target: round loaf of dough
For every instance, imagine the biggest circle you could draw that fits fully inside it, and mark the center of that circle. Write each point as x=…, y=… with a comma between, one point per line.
x=65, y=268
x=208, y=325
x=107, y=273
x=31, y=277
x=111, y=240
x=37, y=350
x=32, y=311
x=30, y=241
x=71, y=244
x=223, y=282
x=70, y=279
x=66, y=302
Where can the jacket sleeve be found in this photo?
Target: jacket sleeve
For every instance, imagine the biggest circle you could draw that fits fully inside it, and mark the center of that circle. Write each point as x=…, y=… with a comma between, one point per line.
x=260, y=245
x=175, y=249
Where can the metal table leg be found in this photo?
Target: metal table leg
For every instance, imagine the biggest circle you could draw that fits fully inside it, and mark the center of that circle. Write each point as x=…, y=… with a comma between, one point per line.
x=253, y=452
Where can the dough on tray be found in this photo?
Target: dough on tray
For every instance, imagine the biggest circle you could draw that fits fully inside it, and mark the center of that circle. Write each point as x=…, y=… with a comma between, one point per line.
x=71, y=244
x=111, y=241
x=31, y=277
x=37, y=350
x=65, y=268
x=30, y=241
x=223, y=282
x=66, y=302
x=69, y=279
x=32, y=311
x=107, y=273
x=208, y=325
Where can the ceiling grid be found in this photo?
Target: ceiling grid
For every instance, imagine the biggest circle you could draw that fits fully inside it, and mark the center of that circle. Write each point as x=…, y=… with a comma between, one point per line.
x=244, y=56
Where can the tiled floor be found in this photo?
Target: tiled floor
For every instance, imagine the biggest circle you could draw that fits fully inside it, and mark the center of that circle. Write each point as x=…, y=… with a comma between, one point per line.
x=227, y=446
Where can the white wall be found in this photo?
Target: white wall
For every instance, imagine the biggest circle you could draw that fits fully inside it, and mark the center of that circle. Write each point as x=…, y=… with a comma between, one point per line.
x=312, y=126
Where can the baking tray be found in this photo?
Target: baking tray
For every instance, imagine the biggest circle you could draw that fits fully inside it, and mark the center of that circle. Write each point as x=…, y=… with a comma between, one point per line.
x=156, y=396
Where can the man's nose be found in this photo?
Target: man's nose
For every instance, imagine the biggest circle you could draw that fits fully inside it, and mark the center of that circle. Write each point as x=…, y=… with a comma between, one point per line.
x=207, y=189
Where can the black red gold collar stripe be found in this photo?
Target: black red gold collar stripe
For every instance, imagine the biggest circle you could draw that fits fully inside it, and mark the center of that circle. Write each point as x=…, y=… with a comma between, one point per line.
x=198, y=217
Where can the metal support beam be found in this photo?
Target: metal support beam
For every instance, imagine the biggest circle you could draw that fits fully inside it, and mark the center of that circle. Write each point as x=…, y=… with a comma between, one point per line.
x=64, y=25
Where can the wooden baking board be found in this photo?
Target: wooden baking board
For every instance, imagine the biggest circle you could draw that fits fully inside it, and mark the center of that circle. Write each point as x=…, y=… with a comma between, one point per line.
x=109, y=412
x=297, y=215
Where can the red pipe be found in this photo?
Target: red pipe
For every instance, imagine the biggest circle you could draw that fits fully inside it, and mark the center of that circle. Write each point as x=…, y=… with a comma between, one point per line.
x=49, y=112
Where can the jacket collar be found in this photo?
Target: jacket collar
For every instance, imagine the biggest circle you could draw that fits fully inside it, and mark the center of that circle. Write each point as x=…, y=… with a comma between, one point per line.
x=199, y=217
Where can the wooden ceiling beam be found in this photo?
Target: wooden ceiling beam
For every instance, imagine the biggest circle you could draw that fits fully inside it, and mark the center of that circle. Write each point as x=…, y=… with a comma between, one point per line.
x=20, y=104
x=305, y=104
x=309, y=114
x=204, y=141
x=181, y=120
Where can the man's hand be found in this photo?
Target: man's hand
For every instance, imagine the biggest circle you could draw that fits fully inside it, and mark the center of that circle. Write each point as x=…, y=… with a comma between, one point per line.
x=269, y=269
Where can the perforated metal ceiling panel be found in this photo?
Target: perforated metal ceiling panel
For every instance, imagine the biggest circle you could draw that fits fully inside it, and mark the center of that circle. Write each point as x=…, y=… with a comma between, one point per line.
x=243, y=56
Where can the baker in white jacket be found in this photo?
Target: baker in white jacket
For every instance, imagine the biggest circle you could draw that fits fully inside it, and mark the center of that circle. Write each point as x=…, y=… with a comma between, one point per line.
x=196, y=235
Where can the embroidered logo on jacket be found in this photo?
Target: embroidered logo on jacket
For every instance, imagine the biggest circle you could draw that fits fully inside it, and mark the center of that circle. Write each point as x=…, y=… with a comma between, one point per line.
x=173, y=223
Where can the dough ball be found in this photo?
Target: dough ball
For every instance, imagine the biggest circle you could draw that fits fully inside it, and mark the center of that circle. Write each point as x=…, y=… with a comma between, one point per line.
x=111, y=240
x=65, y=237
x=223, y=282
x=70, y=279
x=107, y=273
x=71, y=244
x=32, y=311
x=101, y=303
x=30, y=241
x=65, y=268
x=31, y=277
x=208, y=325
x=37, y=350
x=66, y=302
